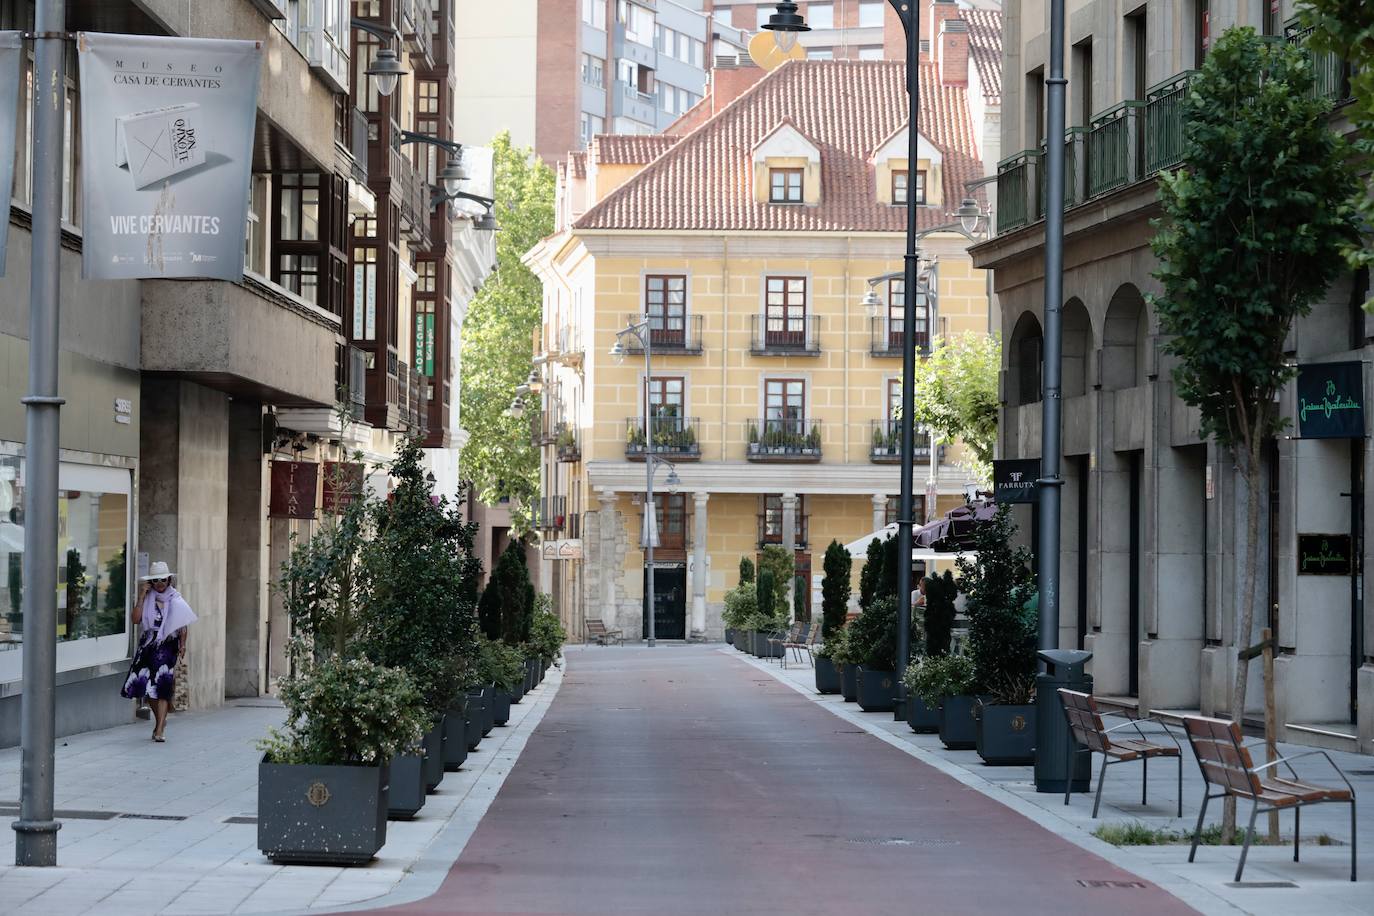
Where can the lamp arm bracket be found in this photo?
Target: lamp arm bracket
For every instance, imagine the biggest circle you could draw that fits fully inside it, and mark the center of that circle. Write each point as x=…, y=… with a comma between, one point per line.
x=410, y=136
x=375, y=28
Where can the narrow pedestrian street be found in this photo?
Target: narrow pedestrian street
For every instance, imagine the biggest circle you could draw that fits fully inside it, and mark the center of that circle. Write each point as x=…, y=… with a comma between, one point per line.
x=682, y=780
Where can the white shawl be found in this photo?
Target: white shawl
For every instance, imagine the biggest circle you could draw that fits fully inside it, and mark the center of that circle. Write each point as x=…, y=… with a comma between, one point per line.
x=176, y=613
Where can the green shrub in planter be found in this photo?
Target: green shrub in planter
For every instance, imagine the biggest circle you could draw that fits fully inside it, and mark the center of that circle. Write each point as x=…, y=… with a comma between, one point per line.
x=779, y=565
x=945, y=682
x=547, y=634
x=835, y=588
x=741, y=603
x=939, y=614
x=871, y=574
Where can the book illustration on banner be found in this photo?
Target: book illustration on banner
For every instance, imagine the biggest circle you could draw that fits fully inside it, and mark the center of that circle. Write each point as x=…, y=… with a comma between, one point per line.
x=163, y=143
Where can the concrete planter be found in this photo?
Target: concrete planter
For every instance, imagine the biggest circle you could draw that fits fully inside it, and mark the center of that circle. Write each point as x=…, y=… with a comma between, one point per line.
x=407, y=795
x=476, y=717
x=876, y=690
x=849, y=682
x=923, y=719
x=763, y=650
x=531, y=674
x=957, y=730
x=1005, y=735
x=433, y=743
x=501, y=703
x=827, y=676
x=744, y=640
x=455, y=737
x=326, y=815
x=488, y=709
x=729, y=636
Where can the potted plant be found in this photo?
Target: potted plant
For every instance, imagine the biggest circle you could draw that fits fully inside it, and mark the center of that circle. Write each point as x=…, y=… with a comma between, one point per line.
x=503, y=667
x=1003, y=633
x=946, y=682
x=873, y=646
x=740, y=602
x=841, y=655
x=937, y=618
x=324, y=776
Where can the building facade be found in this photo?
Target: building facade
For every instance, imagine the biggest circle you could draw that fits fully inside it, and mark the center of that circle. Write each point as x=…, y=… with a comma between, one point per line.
x=749, y=242
x=572, y=69
x=184, y=398
x=1151, y=509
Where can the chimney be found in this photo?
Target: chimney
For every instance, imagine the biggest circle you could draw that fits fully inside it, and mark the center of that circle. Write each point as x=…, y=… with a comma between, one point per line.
x=940, y=10
x=953, y=51
x=730, y=79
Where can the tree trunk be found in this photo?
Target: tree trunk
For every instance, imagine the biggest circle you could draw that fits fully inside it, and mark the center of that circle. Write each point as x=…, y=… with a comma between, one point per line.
x=1245, y=620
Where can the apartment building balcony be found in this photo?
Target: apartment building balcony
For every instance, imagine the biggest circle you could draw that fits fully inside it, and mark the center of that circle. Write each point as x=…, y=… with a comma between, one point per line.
x=417, y=23
x=549, y=514
x=411, y=190
x=1116, y=147
x=1074, y=171
x=792, y=440
x=885, y=446
x=629, y=102
x=675, y=438
x=785, y=336
x=887, y=337
x=351, y=380
x=566, y=446
x=770, y=531
x=566, y=346
x=670, y=336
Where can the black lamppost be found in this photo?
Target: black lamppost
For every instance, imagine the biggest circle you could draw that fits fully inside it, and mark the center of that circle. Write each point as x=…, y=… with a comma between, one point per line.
x=787, y=23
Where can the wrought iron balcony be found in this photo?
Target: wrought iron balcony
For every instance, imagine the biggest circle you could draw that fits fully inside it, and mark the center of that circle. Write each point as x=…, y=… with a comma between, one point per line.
x=1330, y=74
x=566, y=445
x=674, y=438
x=1164, y=122
x=786, y=439
x=549, y=513
x=1016, y=180
x=886, y=443
x=667, y=335
x=887, y=336
x=792, y=336
x=1073, y=152
x=1115, y=147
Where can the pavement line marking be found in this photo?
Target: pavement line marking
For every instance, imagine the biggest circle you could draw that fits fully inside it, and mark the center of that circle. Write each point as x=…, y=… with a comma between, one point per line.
x=1196, y=896
x=427, y=872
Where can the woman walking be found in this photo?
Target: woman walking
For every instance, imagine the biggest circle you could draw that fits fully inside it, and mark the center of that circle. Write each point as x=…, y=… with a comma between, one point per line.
x=163, y=616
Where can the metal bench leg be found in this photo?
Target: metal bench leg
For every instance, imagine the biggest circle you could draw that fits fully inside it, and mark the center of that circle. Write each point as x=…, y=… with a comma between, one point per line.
x=1069, y=760
x=1249, y=838
x=1352, y=836
x=1101, y=777
x=1297, y=830
x=1180, y=785
x=1144, y=779
x=1197, y=832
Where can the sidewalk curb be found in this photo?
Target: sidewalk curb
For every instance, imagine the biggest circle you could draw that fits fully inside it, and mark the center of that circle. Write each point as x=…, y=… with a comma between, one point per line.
x=424, y=876
x=1201, y=899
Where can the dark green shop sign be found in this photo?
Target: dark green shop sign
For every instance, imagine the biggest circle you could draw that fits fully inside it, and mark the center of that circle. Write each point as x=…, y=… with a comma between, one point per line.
x=1014, y=479
x=1331, y=401
x=1324, y=555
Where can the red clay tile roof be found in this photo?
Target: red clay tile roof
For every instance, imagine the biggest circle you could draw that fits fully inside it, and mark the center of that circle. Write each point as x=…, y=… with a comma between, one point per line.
x=578, y=159
x=846, y=107
x=985, y=47
x=630, y=149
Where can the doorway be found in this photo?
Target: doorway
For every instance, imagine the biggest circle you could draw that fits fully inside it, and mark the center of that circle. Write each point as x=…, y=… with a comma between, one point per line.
x=670, y=601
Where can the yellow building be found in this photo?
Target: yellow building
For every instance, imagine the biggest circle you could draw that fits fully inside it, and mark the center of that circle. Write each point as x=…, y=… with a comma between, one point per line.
x=748, y=237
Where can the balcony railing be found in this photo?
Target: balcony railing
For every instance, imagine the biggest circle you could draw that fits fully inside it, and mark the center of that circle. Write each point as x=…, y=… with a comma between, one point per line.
x=886, y=443
x=774, y=336
x=1164, y=122
x=550, y=513
x=565, y=444
x=1330, y=74
x=791, y=439
x=770, y=531
x=1073, y=152
x=1016, y=179
x=1115, y=148
x=668, y=335
x=674, y=437
x=357, y=382
x=887, y=338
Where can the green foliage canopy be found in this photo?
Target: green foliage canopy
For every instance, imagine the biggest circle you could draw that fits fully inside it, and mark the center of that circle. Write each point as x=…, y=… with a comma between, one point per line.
x=835, y=588
x=956, y=395
x=1002, y=635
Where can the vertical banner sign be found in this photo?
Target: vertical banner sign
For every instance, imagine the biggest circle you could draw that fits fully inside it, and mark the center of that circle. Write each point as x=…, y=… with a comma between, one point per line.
x=293, y=489
x=1013, y=480
x=11, y=58
x=166, y=154
x=1331, y=401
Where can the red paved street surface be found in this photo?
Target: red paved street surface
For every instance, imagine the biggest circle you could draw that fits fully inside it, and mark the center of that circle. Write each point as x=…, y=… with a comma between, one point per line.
x=681, y=780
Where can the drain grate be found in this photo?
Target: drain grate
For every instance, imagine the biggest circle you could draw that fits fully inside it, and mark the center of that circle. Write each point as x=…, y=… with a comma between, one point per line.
x=1261, y=885
x=155, y=817
x=65, y=814
x=926, y=842
x=241, y=819
x=1113, y=885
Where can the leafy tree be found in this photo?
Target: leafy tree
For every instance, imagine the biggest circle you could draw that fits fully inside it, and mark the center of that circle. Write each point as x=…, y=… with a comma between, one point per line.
x=778, y=561
x=1002, y=634
x=500, y=459
x=871, y=574
x=766, y=592
x=956, y=396
x=1346, y=28
x=887, y=583
x=323, y=587
x=746, y=569
x=939, y=613
x=1254, y=223
x=498, y=592
x=517, y=619
x=835, y=588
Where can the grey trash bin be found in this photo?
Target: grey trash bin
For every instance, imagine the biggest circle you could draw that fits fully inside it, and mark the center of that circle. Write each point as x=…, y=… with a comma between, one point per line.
x=1063, y=668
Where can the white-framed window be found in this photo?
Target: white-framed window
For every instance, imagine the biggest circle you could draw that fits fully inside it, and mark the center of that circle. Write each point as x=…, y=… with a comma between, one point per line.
x=820, y=15
x=638, y=21
x=594, y=13
x=258, y=229
x=591, y=126
x=871, y=52
x=594, y=71
x=820, y=53
x=871, y=13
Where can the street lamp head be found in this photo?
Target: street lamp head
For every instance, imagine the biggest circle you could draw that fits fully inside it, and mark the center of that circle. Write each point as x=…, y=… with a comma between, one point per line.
x=534, y=382
x=674, y=482
x=970, y=217
x=486, y=223
x=786, y=24
x=872, y=304
x=516, y=408
x=452, y=175
x=387, y=70
x=618, y=352
x=522, y=389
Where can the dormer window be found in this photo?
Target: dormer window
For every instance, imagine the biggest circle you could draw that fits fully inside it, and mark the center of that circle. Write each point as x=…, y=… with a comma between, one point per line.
x=785, y=186
x=899, y=191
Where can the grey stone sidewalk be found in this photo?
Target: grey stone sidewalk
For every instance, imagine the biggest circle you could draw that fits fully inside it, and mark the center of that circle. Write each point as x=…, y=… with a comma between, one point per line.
x=1274, y=884
x=151, y=826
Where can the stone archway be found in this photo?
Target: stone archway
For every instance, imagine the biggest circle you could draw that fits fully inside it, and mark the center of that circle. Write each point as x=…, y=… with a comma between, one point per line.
x=1025, y=351
x=1125, y=337
x=1078, y=341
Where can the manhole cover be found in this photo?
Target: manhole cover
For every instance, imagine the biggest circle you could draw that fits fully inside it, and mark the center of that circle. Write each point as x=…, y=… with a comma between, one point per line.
x=1114, y=885
x=926, y=842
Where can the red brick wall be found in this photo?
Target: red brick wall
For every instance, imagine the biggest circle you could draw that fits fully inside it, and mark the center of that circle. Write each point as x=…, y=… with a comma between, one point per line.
x=558, y=111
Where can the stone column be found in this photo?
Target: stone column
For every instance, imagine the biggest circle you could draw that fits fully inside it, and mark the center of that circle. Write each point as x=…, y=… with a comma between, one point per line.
x=789, y=542
x=879, y=510
x=608, y=571
x=699, y=559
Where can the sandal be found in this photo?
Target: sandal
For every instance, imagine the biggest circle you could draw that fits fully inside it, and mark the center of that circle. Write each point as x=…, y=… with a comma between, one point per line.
x=159, y=739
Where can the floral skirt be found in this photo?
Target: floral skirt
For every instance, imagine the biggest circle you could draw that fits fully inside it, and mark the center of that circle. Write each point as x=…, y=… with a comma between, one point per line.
x=153, y=673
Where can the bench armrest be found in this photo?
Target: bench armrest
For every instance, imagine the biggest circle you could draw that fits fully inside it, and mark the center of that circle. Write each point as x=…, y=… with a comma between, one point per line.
x=1135, y=723
x=1288, y=762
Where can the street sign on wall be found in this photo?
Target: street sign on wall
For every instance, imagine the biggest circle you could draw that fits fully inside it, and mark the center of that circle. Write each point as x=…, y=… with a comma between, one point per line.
x=1013, y=479
x=1331, y=401
x=11, y=58
x=167, y=127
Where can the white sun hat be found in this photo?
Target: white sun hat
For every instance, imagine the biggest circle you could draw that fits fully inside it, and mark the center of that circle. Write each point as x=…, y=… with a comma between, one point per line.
x=158, y=570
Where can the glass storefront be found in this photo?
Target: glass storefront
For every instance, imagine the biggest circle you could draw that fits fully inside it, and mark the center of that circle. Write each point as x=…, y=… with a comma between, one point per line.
x=93, y=529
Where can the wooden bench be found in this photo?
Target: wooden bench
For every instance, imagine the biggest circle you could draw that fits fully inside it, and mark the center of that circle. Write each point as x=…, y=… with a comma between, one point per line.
x=806, y=637
x=596, y=630
x=1085, y=725
x=1226, y=764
